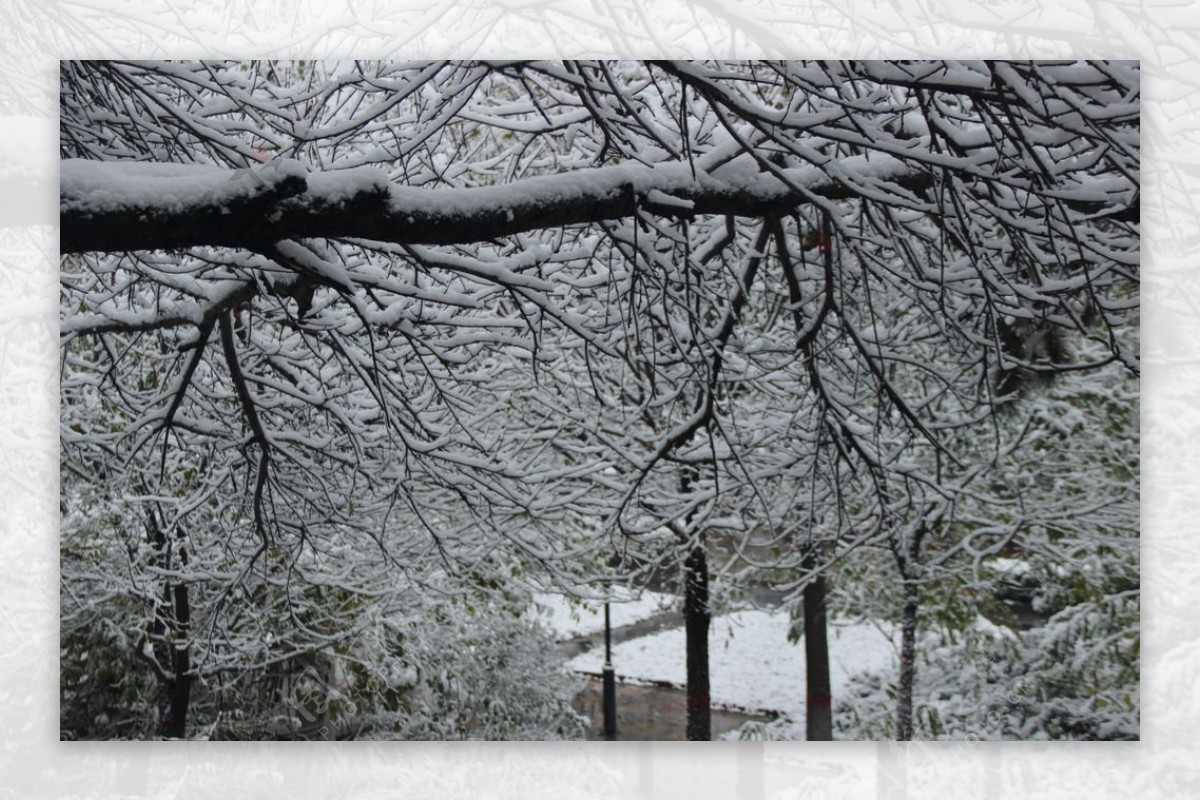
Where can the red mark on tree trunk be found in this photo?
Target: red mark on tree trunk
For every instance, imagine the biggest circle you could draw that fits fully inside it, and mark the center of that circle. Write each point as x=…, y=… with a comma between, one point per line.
x=817, y=239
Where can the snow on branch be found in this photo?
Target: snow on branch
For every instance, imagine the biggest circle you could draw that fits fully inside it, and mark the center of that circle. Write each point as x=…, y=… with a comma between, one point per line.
x=127, y=206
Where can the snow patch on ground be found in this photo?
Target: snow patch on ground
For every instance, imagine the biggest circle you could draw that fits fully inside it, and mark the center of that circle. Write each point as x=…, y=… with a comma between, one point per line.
x=752, y=665
x=569, y=618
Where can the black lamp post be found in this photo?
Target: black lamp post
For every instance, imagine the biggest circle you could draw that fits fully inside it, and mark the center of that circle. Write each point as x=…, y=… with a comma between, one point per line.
x=609, y=677
x=610, y=680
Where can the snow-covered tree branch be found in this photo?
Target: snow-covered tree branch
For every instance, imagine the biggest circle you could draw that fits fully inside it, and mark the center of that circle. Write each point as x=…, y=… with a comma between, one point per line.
x=355, y=336
x=114, y=206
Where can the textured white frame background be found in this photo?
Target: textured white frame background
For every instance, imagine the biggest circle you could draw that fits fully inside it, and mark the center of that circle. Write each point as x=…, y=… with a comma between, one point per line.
x=1164, y=34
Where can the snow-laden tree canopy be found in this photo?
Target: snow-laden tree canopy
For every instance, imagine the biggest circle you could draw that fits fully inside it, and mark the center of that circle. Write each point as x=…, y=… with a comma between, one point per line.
x=424, y=217
x=434, y=310
x=1054, y=139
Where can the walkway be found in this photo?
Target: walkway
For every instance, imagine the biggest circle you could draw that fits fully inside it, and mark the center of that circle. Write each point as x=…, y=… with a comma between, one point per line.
x=644, y=712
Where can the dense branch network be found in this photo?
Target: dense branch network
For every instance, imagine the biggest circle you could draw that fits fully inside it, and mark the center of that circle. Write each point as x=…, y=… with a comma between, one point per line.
x=435, y=310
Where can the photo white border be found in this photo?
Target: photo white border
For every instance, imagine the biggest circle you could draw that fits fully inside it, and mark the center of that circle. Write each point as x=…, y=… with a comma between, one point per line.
x=34, y=763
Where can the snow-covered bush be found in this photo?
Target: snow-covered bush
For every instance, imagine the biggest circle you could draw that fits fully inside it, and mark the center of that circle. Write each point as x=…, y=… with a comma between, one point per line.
x=1073, y=678
x=106, y=687
x=456, y=668
x=476, y=670
x=297, y=655
x=106, y=690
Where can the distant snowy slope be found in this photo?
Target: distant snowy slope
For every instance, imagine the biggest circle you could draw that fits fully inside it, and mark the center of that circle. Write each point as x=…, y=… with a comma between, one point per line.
x=568, y=618
x=753, y=666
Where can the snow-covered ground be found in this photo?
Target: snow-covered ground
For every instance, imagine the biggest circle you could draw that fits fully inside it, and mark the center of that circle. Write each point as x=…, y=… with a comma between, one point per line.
x=752, y=665
x=570, y=618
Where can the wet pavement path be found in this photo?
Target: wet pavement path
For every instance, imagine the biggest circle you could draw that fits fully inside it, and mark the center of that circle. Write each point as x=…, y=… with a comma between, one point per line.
x=652, y=712
x=644, y=712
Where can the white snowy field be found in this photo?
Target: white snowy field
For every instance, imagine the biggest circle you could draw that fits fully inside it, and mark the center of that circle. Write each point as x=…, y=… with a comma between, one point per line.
x=568, y=619
x=752, y=665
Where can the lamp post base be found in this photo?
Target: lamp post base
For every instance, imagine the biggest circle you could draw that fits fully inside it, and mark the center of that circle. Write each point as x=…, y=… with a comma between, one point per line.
x=610, y=703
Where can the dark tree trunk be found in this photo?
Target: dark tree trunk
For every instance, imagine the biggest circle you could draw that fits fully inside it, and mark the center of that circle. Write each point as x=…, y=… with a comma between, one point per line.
x=169, y=631
x=908, y=661
x=696, y=611
x=181, y=685
x=819, y=713
x=697, y=618
x=908, y=557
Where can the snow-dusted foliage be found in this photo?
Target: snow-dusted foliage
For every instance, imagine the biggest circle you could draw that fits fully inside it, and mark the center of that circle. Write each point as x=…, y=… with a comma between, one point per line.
x=336, y=644
x=1075, y=677
x=339, y=339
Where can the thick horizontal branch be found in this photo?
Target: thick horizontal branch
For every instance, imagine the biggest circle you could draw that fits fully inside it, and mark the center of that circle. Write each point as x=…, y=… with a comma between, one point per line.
x=128, y=206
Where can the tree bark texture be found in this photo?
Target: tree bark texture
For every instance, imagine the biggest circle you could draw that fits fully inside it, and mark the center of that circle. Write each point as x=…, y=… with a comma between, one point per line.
x=170, y=630
x=819, y=712
x=697, y=617
x=365, y=206
x=181, y=666
x=908, y=661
